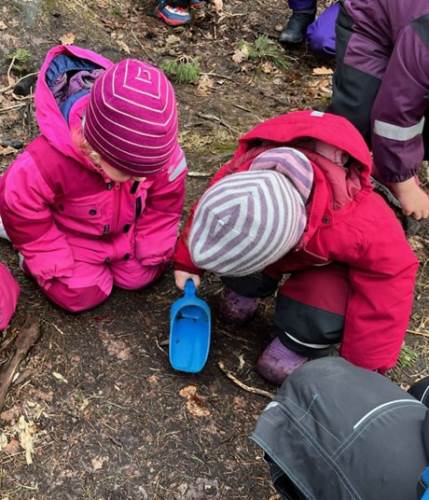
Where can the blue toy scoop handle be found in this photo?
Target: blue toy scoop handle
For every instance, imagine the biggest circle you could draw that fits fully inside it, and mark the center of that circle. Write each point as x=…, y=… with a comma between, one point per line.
x=189, y=288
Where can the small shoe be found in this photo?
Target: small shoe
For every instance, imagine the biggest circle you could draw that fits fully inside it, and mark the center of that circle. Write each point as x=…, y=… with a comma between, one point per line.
x=173, y=16
x=277, y=362
x=296, y=29
x=237, y=308
x=197, y=4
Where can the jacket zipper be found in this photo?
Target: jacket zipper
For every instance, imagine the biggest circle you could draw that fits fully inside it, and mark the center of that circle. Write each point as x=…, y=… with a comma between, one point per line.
x=117, y=206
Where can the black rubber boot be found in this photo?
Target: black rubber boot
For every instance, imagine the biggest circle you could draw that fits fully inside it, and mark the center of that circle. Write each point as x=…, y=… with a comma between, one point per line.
x=296, y=27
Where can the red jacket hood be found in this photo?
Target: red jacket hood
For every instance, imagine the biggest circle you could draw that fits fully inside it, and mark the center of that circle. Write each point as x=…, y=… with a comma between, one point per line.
x=309, y=124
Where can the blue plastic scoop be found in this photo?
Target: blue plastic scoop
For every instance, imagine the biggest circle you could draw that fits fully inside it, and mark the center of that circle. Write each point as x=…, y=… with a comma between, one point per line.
x=190, y=327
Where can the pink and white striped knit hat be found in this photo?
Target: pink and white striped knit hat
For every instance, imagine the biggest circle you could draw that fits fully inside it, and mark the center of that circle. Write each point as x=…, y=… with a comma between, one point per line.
x=131, y=119
x=249, y=220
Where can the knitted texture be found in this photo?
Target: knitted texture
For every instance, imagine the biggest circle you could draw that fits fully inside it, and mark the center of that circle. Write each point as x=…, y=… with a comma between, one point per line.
x=249, y=220
x=131, y=118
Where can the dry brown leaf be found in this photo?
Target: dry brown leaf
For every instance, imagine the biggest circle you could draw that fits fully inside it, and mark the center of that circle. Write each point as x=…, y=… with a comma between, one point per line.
x=59, y=377
x=68, y=39
x=98, y=462
x=217, y=5
x=7, y=150
x=205, y=85
x=241, y=55
x=123, y=46
x=153, y=379
x=25, y=434
x=196, y=409
x=3, y=441
x=44, y=396
x=194, y=403
x=322, y=71
x=188, y=391
x=12, y=447
x=3, y=26
x=172, y=39
x=116, y=348
x=11, y=414
x=267, y=67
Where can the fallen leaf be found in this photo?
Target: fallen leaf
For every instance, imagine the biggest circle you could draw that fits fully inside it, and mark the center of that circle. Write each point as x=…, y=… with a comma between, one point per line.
x=68, y=39
x=322, y=71
x=267, y=67
x=3, y=441
x=116, y=348
x=59, y=377
x=7, y=150
x=172, y=39
x=153, y=379
x=11, y=414
x=205, y=85
x=196, y=409
x=241, y=54
x=25, y=433
x=3, y=26
x=188, y=391
x=98, y=462
x=217, y=5
x=44, y=396
x=123, y=46
x=12, y=447
x=194, y=403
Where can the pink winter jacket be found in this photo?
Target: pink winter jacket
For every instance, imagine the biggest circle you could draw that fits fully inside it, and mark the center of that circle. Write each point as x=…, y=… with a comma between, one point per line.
x=58, y=209
x=9, y=293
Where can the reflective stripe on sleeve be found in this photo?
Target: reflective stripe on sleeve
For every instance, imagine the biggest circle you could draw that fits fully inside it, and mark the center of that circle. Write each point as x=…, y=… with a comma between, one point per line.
x=397, y=133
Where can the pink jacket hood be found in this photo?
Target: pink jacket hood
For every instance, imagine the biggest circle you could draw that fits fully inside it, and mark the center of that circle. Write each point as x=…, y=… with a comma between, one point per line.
x=52, y=124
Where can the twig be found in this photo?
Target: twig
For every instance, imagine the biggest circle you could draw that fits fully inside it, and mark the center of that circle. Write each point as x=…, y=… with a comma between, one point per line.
x=211, y=117
x=15, y=106
x=9, y=70
x=248, y=111
x=218, y=75
x=25, y=340
x=144, y=49
x=422, y=334
x=248, y=388
x=5, y=89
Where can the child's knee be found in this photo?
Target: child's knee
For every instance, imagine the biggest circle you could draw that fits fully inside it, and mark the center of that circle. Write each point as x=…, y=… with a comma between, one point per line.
x=76, y=299
x=133, y=275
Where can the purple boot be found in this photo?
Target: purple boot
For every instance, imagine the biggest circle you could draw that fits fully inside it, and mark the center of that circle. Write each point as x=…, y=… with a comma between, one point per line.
x=237, y=308
x=277, y=362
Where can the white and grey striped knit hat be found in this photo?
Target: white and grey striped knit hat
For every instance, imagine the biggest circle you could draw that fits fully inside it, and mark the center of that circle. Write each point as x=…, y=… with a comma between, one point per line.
x=249, y=220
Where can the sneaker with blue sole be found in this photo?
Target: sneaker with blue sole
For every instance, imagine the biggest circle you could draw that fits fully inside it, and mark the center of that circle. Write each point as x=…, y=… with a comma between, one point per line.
x=173, y=16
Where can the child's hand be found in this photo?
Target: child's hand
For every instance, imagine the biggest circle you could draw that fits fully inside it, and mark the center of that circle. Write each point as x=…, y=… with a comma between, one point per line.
x=182, y=277
x=413, y=199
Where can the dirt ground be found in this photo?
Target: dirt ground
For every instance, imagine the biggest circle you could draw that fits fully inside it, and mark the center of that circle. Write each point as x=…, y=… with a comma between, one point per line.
x=106, y=415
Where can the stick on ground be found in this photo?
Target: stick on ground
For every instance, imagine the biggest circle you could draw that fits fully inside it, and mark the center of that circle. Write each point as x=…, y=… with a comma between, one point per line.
x=25, y=340
x=245, y=387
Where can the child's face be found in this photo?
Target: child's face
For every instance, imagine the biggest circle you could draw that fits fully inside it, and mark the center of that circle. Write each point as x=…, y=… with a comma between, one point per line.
x=111, y=172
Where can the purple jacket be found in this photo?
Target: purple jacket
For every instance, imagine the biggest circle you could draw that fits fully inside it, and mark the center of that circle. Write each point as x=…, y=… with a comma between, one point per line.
x=390, y=41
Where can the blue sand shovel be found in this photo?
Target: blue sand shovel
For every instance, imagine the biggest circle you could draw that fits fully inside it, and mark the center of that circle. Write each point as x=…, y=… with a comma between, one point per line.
x=190, y=327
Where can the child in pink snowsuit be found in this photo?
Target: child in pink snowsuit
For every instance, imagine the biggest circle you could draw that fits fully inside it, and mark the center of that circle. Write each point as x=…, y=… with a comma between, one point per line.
x=9, y=293
x=96, y=199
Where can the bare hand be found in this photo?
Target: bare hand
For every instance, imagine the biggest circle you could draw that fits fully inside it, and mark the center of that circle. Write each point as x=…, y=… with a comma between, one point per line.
x=182, y=277
x=413, y=199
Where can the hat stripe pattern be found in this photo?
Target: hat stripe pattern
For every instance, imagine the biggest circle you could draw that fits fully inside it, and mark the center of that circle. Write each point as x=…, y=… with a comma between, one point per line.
x=290, y=162
x=245, y=222
x=131, y=118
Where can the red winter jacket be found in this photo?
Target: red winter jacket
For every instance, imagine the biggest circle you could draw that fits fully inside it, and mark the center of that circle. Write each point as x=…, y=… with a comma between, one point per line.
x=347, y=223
